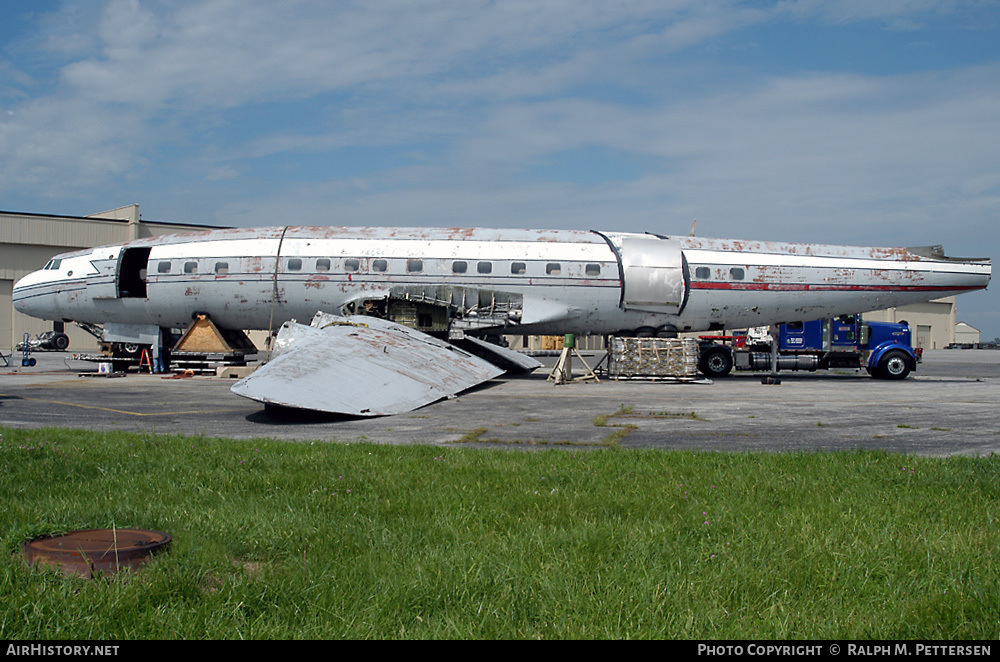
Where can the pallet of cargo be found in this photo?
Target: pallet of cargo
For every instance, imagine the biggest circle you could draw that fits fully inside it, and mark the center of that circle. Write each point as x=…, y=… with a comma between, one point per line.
x=674, y=359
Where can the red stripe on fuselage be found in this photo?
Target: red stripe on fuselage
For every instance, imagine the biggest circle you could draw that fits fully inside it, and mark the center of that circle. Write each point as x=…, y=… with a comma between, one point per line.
x=806, y=287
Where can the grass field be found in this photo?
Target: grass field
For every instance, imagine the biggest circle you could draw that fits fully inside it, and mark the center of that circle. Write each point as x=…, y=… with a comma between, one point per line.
x=274, y=539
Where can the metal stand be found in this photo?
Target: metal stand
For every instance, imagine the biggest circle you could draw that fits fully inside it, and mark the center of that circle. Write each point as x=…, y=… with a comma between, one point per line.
x=562, y=373
x=773, y=379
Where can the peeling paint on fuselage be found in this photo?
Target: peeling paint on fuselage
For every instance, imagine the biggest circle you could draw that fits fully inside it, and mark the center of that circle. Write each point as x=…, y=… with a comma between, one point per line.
x=569, y=281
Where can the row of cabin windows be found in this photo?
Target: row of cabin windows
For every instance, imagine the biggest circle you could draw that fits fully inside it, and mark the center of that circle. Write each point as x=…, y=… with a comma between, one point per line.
x=704, y=273
x=380, y=265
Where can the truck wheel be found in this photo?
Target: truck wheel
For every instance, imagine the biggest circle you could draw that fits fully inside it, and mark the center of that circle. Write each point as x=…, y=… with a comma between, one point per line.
x=894, y=365
x=716, y=362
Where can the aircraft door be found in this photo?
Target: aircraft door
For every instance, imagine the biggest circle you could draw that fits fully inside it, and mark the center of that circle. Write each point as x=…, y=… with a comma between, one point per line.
x=132, y=265
x=653, y=274
x=102, y=282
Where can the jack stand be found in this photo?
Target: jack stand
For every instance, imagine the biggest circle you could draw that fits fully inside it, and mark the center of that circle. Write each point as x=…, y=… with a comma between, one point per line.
x=773, y=377
x=562, y=373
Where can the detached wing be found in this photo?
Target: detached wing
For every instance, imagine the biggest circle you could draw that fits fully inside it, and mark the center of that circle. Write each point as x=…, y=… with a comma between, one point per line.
x=507, y=359
x=361, y=366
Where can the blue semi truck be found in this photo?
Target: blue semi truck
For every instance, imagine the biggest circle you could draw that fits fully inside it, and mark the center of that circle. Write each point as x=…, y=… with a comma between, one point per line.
x=881, y=348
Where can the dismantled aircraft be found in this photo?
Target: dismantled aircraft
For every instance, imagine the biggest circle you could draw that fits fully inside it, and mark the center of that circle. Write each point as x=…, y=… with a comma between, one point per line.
x=394, y=290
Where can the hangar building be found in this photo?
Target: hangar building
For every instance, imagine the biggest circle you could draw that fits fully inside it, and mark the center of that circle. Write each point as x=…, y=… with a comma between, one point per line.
x=27, y=241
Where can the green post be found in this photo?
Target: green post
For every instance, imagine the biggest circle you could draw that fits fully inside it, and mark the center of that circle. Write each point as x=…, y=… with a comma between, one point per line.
x=569, y=341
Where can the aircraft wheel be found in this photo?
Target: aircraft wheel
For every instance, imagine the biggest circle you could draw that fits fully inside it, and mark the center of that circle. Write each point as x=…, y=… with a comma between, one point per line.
x=716, y=362
x=60, y=341
x=894, y=365
x=645, y=332
x=126, y=350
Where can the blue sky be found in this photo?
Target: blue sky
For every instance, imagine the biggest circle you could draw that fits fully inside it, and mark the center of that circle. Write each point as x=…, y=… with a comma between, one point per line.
x=872, y=122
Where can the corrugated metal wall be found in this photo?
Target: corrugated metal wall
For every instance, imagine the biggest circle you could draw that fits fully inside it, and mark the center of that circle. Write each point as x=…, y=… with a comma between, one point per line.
x=27, y=241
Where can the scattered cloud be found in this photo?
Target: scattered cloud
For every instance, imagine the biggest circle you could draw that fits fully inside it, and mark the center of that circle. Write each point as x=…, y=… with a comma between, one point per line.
x=761, y=119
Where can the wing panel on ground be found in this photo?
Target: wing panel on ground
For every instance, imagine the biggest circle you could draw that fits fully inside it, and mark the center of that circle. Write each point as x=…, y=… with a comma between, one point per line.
x=502, y=357
x=361, y=366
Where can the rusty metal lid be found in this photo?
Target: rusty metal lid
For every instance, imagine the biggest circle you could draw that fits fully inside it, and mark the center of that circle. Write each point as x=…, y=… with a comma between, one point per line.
x=89, y=552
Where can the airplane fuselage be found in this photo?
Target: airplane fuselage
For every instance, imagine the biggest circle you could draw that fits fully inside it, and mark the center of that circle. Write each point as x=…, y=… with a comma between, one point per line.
x=511, y=281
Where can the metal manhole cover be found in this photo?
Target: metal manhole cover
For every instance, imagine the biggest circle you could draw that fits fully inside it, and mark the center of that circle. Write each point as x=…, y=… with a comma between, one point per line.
x=92, y=551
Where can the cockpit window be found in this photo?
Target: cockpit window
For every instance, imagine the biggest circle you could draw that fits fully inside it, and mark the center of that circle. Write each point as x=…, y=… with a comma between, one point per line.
x=53, y=263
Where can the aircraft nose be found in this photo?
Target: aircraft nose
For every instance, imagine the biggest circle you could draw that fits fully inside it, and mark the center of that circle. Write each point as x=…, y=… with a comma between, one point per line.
x=27, y=295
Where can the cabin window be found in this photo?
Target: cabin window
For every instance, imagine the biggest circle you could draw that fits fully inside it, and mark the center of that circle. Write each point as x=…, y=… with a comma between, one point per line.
x=459, y=267
x=379, y=265
x=163, y=267
x=323, y=264
x=414, y=266
x=593, y=270
x=553, y=268
x=737, y=273
x=517, y=268
x=222, y=268
x=190, y=267
x=703, y=273
x=352, y=264
x=485, y=267
x=295, y=264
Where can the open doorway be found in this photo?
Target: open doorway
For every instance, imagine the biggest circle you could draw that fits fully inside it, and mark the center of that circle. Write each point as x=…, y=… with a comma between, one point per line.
x=132, y=273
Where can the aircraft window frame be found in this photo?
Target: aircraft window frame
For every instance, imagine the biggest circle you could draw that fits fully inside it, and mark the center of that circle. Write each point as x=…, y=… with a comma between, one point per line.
x=592, y=269
x=414, y=265
x=518, y=268
x=191, y=267
x=459, y=267
x=737, y=273
x=702, y=273
x=352, y=264
x=294, y=264
x=164, y=267
x=323, y=264
x=380, y=265
x=553, y=268
x=484, y=267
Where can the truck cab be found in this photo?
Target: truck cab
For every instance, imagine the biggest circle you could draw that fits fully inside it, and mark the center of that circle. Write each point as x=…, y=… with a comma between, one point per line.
x=883, y=349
